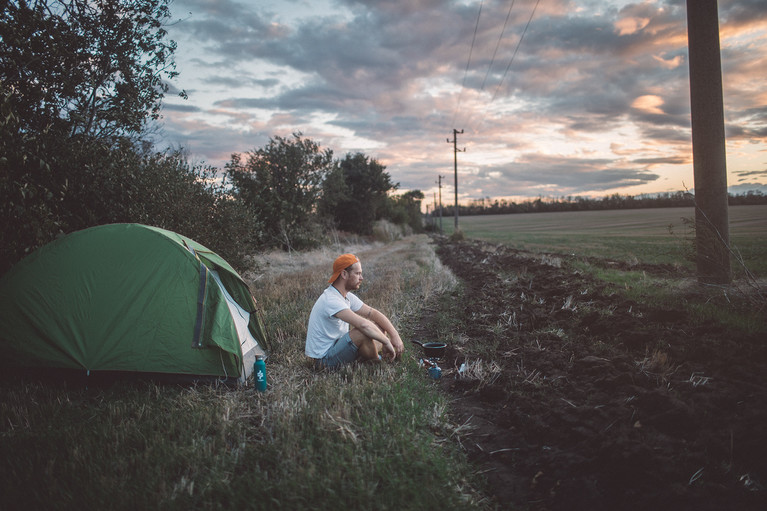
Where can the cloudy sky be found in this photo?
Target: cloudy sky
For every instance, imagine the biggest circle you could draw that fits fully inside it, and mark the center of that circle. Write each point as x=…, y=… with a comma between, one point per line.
x=555, y=97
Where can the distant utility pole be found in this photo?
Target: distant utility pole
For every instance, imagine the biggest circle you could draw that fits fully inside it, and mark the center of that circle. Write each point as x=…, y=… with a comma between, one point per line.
x=712, y=231
x=440, y=202
x=455, y=169
x=433, y=222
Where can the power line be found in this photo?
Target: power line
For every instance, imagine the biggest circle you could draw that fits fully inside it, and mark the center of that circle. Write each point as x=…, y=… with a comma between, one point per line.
x=515, y=50
x=500, y=37
x=468, y=63
x=511, y=60
x=495, y=94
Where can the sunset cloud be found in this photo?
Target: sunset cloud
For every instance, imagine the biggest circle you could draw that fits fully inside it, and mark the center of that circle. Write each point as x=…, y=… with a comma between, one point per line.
x=649, y=103
x=590, y=99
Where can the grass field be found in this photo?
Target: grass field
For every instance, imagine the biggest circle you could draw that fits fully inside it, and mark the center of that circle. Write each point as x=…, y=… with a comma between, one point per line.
x=371, y=437
x=368, y=437
x=646, y=235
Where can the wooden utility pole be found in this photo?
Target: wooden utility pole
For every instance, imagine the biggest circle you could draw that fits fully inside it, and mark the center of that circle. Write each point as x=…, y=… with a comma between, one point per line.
x=712, y=232
x=433, y=221
x=455, y=169
x=439, y=182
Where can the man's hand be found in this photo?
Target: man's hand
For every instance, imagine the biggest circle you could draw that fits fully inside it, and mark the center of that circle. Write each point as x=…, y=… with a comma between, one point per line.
x=389, y=352
x=376, y=326
x=399, y=346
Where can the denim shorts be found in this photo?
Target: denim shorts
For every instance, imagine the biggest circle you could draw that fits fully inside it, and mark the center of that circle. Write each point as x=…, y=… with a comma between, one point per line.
x=343, y=351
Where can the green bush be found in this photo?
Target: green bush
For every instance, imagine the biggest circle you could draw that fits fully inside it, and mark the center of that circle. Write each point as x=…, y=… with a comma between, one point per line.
x=85, y=182
x=281, y=185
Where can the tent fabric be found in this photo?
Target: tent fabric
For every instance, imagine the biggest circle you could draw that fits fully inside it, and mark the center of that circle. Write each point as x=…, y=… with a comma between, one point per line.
x=124, y=297
x=241, y=318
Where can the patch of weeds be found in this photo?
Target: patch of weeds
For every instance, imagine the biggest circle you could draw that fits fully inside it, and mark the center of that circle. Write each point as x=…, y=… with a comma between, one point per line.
x=657, y=365
x=747, y=320
x=551, y=260
x=481, y=371
x=622, y=280
x=729, y=306
x=602, y=348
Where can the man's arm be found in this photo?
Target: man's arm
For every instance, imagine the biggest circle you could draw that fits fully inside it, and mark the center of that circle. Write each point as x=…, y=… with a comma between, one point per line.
x=369, y=328
x=383, y=322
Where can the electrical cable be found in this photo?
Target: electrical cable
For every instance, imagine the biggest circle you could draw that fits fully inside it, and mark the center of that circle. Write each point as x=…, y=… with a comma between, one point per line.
x=500, y=37
x=515, y=50
x=466, y=72
x=508, y=67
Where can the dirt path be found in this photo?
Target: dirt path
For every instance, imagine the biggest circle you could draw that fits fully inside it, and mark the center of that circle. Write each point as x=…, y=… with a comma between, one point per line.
x=576, y=398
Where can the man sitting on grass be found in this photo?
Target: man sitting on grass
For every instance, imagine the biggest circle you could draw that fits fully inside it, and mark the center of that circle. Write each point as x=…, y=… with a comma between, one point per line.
x=329, y=340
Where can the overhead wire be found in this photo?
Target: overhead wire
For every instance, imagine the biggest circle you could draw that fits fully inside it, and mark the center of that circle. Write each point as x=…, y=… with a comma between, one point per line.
x=492, y=60
x=508, y=67
x=511, y=60
x=468, y=63
x=516, y=49
x=500, y=37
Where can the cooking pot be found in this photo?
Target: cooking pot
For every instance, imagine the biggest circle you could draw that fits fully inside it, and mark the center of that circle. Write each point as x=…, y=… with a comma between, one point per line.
x=432, y=349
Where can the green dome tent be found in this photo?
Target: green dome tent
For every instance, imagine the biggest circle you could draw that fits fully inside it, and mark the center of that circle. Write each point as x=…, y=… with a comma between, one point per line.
x=128, y=299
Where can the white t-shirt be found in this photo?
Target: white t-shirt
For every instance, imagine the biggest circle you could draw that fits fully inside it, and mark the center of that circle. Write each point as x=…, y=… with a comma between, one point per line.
x=324, y=328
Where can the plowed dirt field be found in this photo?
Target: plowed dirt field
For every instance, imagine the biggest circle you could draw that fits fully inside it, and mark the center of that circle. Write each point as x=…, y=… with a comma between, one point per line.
x=575, y=398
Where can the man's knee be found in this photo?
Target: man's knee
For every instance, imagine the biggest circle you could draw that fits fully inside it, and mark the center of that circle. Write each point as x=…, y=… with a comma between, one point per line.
x=369, y=349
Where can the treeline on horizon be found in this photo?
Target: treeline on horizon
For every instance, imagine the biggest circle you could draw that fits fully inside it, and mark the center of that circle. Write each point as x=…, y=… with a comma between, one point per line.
x=609, y=202
x=81, y=89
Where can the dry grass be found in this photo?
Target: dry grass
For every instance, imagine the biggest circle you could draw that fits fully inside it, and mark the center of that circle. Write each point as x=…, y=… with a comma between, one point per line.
x=657, y=365
x=365, y=437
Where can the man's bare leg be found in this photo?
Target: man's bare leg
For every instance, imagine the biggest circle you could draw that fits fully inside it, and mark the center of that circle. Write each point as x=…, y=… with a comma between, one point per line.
x=368, y=348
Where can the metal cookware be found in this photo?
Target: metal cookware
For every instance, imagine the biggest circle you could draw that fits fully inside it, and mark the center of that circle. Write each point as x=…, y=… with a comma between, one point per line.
x=432, y=349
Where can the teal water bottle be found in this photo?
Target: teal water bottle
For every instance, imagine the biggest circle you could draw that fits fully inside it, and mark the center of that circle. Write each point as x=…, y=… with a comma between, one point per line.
x=259, y=373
